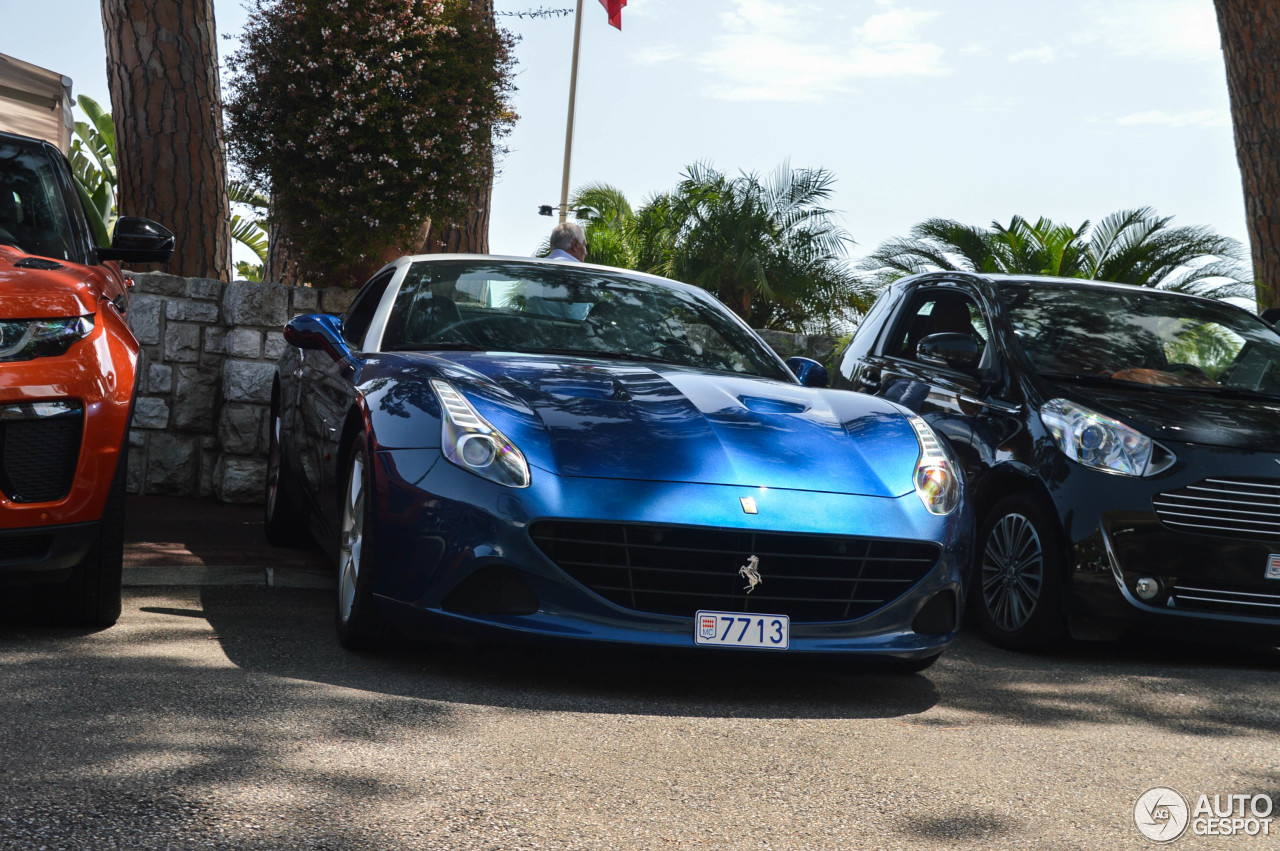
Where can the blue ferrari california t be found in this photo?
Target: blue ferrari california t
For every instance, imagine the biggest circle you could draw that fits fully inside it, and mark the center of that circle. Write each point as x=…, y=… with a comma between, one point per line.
x=547, y=449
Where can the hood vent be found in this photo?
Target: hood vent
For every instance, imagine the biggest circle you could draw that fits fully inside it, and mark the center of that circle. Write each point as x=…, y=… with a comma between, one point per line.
x=40, y=263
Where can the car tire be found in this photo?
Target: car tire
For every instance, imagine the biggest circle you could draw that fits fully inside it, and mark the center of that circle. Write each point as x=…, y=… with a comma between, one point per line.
x=285, y=523
x=91, y=595
x=1017, y=578
x=360, y=626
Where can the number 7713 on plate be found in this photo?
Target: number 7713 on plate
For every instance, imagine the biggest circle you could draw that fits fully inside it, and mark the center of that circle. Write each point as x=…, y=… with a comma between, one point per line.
x=739, y=629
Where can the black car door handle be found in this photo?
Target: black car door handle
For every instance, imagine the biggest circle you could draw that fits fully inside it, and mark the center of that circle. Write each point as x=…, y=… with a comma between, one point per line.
x=869, y=383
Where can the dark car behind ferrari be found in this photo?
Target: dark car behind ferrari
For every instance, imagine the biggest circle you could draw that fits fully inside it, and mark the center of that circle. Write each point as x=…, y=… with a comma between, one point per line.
x=1121, y=444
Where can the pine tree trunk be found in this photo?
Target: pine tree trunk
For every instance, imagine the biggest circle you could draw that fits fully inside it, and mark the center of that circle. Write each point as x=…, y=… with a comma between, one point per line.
x=281, y=265
x=1251, y=45
x=162, y=67
x=471, y=235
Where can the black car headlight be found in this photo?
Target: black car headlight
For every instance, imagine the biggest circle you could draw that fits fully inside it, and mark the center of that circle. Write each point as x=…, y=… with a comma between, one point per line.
x=937, y=483
x=468, y=440
x=25, y=339
x=1102, y=443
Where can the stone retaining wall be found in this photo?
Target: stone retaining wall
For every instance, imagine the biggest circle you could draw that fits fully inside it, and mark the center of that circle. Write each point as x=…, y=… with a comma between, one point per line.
x=208, y=355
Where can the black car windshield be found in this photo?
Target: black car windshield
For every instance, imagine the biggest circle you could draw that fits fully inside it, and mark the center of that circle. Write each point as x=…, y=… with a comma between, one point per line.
x=567, y=309
x=32, y=216
x=1142, y=337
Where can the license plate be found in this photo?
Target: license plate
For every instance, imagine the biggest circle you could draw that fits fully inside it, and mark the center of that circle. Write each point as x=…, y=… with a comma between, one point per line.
x=738, y=629
x=1273, y=567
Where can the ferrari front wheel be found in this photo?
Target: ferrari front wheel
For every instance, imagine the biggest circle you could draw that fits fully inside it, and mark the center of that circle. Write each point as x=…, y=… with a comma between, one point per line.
x=360, y=626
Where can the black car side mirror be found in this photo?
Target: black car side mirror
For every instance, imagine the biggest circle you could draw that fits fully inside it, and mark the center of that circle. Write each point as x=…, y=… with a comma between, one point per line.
x=950, y=349
x=316, y=331
x=138, y=240
x=810, y=372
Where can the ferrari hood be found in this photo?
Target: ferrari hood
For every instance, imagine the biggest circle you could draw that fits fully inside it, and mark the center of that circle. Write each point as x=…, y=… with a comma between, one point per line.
x=626, y=420
x=32, y=292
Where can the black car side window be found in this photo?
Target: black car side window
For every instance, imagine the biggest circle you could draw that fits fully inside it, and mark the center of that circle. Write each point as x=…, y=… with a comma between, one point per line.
x=865, y=335
x=935, y=312
x=355, y=324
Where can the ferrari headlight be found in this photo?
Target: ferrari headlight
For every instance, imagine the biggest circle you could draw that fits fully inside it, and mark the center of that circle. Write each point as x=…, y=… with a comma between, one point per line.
x=25, y=339
x=936, y=480
x=1101, y=443
x=468, y=440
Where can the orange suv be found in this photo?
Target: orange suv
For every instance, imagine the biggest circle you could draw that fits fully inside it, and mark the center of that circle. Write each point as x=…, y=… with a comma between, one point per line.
x=68, y=366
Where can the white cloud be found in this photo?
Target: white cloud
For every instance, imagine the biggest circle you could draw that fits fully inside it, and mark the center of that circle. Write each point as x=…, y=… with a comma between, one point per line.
x=657, y=54
x=1189, y=118
x=1045, y=53
x=777, y=51
x=989, y=103
x=1166, y=29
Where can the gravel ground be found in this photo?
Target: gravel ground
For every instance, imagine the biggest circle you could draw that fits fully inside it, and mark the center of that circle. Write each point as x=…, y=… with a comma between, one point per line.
x=230, y=718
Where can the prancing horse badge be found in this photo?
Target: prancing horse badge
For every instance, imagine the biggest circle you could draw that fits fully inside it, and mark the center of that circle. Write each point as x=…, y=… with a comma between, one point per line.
x=751, y=572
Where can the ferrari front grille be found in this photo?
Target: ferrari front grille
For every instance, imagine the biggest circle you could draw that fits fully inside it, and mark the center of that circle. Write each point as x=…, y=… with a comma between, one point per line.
x=1237, y=508
x=677, y=570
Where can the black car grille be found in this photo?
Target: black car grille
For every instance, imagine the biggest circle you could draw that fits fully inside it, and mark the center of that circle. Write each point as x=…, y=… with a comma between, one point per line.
x=38, y=456
x=1246, y=508
x=677, y=570
x=22, y=549
x=1224, y=599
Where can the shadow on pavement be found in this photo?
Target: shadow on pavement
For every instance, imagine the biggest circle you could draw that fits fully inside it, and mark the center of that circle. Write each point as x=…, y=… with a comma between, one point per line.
x=292, y=635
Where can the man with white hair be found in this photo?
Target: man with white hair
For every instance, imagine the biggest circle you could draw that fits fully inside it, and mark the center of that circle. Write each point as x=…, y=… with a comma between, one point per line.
x=568, y=242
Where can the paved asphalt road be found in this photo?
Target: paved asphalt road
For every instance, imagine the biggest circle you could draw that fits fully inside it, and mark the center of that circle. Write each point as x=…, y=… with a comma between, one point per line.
x=228, y=717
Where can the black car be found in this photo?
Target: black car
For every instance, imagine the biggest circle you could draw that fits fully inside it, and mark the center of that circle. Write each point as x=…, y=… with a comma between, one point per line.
x=1121, y=446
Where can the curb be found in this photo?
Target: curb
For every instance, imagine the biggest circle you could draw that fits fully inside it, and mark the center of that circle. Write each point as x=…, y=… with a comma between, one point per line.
x=212, y=575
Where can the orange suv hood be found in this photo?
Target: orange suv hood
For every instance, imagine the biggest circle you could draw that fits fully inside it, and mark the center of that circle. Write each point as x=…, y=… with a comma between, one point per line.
x=72, y=290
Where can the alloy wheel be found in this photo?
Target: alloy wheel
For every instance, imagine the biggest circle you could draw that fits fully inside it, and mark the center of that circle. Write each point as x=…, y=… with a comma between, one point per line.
x=352, y=538
x=1012, y=572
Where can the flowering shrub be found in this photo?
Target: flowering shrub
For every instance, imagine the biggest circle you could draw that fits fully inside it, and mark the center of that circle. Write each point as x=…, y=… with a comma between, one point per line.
x=364, y=118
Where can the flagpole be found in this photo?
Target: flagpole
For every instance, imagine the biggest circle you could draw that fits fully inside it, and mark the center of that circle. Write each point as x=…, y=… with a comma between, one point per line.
x=568, y=132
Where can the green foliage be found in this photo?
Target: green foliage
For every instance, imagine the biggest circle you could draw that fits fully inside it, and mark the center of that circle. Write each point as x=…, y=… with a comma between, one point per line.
x=93, y=163
x=765, y=247
x=1129, y=246
x=249, y=271
x=249, y=232
x=366, y=118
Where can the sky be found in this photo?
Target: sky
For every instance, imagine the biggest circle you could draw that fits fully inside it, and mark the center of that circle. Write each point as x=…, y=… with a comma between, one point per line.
x=974, y=110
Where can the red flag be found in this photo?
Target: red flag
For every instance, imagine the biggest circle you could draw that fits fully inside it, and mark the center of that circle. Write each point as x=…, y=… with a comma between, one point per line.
x=614, y=8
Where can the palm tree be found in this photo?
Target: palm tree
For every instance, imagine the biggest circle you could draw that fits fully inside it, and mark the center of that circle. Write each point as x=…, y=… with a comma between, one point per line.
x=1129, y=246
x=767, y=248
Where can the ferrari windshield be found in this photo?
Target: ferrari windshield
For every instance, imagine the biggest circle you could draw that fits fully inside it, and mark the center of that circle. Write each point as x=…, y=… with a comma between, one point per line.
x=570, y=310
x=1142, y=337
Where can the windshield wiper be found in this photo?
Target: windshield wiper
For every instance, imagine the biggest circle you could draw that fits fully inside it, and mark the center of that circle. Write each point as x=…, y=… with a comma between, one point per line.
x=438, y=347
x=603, y=354
x=1080, y=378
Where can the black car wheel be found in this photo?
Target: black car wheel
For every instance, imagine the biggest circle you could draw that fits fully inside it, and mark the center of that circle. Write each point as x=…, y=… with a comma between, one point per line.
x=285, y=523
x=360, y=626
x=1018, y=578
x=91, y=595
